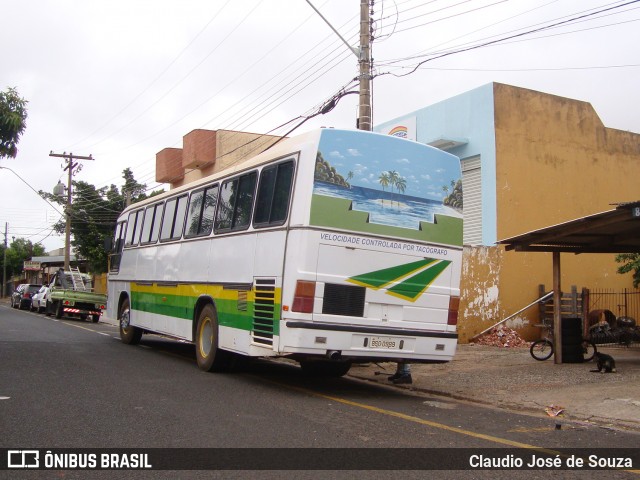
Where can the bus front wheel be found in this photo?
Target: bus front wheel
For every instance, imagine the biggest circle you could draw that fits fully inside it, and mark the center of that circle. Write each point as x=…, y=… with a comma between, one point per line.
x=128, y=334
x=210, y=358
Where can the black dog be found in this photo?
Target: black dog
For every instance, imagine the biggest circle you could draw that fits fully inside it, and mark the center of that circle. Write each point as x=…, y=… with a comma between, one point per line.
x=605, y=362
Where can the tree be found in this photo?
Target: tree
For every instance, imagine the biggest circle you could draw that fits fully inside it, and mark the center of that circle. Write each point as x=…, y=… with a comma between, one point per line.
x=18, y=251
x=13, y=117
x=132, y=190
x=630, y=263
x=94, y=213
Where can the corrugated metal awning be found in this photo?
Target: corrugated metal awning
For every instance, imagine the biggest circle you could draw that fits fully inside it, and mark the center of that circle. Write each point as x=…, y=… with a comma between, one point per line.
x=613, y=231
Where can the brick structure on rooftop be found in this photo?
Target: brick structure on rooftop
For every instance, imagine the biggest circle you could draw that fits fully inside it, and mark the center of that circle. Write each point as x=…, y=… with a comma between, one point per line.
x=205, y=152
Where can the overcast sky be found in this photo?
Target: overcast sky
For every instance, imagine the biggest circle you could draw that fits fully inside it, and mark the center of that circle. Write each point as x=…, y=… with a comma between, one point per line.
x=121, y=80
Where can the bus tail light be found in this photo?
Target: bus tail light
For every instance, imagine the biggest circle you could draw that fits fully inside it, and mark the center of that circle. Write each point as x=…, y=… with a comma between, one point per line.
x=304, y=296
x=454, y=304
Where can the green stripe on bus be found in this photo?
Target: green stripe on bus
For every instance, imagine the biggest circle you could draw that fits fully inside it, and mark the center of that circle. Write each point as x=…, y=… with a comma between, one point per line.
x=180, y=306
x=379, y=278
x=414, y=286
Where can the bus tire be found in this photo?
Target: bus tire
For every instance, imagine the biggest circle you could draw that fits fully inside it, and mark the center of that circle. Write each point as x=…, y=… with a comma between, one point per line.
x=95, y=318
x=129, y=334
x=209, y=357
x=319, y=368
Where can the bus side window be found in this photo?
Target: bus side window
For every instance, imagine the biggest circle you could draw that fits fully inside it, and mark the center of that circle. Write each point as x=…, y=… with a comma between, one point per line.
x=174, y=216
x=194, y=213
x=181, y=213
x=236, y=201
x=135, y=219
x=167, y=220
x=274, y=191
x=202, y=207
x=150, y=224
x=118, y=238
x=157, y=216
x=209, y=210
x=147, y=222
x=118, y=245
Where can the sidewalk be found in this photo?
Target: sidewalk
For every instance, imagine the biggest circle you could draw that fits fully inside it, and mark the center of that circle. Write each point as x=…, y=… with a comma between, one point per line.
x=511, y=378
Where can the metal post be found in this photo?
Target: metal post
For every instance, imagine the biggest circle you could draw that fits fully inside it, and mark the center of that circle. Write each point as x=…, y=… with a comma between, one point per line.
x=4, y=262
x=557, y=307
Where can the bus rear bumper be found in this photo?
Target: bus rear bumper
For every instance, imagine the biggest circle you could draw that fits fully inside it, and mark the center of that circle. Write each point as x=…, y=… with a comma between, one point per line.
x=367, y=343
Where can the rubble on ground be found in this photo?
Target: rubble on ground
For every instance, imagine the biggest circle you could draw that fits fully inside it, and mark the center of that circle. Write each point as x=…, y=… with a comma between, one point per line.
x=501, y=337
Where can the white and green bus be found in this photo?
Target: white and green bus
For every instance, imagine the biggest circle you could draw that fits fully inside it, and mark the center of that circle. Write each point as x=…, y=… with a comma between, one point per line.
x=328, y=248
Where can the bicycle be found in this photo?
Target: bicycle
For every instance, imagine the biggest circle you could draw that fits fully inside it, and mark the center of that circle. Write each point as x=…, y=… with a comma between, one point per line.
x=543, y=349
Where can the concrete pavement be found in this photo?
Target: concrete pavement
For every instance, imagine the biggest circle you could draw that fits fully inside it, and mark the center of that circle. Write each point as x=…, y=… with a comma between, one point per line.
x=510, y=378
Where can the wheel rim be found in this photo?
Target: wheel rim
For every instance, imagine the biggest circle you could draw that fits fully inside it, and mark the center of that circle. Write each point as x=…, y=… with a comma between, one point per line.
x=124, y=320
x=205, y=342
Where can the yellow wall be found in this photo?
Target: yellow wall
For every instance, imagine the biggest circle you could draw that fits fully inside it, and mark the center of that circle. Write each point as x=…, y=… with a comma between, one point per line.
x=555, y=161
x=100, y=283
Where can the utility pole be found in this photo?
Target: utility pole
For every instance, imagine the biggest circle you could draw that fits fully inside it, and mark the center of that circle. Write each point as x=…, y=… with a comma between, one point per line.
x=364, y=60
x=364, y=104
x=72, y=167
x=4, y=262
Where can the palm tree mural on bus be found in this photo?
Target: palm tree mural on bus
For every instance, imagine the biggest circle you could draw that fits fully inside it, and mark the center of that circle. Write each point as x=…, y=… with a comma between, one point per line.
x=394, y=180
x=384, y=181
x=401, y=185
x=454, y=199
x=395, y=183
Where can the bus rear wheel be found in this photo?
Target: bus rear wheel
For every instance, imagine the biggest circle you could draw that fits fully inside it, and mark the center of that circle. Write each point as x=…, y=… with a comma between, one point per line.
x=128, y=334
x=210, y=358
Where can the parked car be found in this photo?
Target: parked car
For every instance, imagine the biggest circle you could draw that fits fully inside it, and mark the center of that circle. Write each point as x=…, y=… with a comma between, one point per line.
x=21, y=298
x=39, y=300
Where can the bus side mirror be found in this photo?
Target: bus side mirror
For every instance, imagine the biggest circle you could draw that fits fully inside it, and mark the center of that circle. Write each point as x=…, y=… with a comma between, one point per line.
x=108, y=244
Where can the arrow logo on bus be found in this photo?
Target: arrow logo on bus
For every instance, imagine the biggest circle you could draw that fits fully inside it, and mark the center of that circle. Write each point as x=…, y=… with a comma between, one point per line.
x=407, y=281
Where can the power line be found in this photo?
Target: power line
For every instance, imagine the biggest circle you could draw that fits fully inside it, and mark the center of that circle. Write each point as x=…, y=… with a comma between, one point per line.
x=492, y=42
x=150, y=84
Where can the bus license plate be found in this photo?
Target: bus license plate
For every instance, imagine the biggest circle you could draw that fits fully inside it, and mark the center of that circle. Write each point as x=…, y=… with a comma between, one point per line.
x=388, y=343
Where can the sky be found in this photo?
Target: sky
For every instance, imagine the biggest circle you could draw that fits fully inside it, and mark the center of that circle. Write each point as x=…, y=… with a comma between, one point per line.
x=121, y=80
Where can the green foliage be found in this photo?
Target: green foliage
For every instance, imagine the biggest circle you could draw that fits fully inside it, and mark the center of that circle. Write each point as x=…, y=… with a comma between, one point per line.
x=18, y=251
x=455, y=198
x=630, y=263
x=13, y=117
x=94, y=213
x=326, y=173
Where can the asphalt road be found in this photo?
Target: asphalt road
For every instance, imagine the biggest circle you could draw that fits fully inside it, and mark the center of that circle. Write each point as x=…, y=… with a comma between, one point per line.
x=72, y=384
